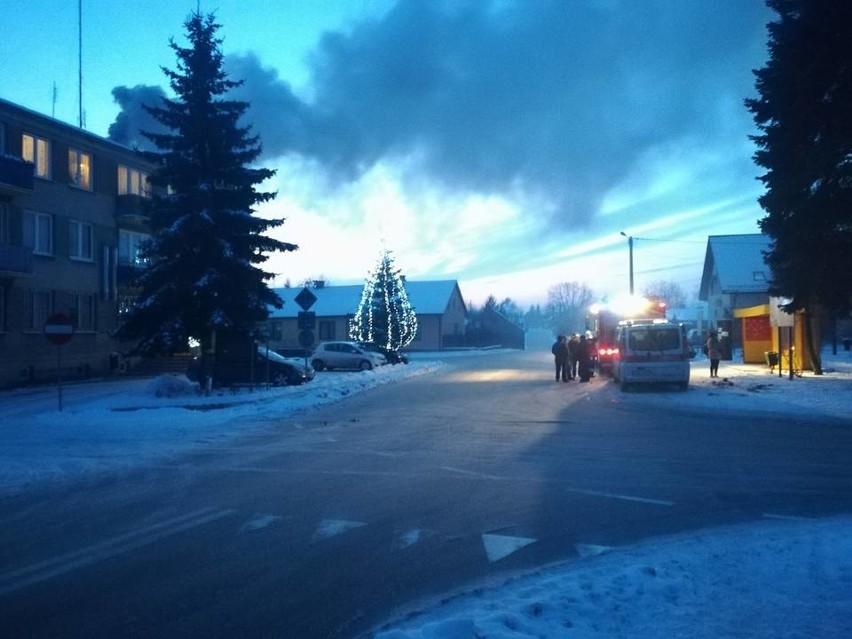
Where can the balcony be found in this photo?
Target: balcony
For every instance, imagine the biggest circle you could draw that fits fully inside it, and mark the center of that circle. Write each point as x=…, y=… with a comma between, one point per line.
x=131, y=209
x=15, y=260
x=16, y=174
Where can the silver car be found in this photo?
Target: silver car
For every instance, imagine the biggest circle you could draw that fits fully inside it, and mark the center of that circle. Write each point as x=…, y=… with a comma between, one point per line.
x=330, y=355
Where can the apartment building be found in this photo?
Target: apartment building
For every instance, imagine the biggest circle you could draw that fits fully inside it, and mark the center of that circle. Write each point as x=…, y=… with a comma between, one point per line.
x=71, y=222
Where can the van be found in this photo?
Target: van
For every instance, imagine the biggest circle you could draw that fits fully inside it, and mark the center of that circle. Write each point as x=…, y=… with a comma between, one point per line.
x=651, y=352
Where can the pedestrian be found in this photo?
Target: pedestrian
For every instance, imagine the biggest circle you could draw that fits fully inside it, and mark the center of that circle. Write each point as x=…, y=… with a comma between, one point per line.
x=573, y=352
x=584, y=359
x=560, y=358
x=714, y=352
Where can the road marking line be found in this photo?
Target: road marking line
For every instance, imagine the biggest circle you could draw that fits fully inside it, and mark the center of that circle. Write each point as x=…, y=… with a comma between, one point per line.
x=499, y=546
x=591, y=550
x=459, y=471
x=410, y=538
x=332, y=527
x=787, y=517
x=641, y=500
x=95, y=553
x=260, y=520
x=580, y=491
x=472, y=473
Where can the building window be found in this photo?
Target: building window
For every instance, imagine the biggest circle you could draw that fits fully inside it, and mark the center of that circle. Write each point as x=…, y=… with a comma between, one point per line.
x=130, y=246
x=759, y=276
x=80, y=169
x=39, y=308
x=82, y=311
x=80, y=241
x=38, y=232
x=37, y=151
x=133, y=182
x=326, y=330
x=273, y=329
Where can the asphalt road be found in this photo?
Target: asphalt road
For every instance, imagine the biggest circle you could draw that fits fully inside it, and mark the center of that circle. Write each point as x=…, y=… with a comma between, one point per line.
x=324, y=525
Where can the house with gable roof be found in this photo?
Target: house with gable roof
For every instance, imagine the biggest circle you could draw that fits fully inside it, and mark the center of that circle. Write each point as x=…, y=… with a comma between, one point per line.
x=735, y=277
x=735, y=285
x=439, y=306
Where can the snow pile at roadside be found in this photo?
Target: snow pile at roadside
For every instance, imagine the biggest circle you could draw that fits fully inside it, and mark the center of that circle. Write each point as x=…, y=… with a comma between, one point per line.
x=773, y=579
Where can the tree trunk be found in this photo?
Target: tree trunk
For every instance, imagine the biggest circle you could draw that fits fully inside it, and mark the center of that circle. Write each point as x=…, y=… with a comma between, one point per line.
x=208, y=350
x=816, y=357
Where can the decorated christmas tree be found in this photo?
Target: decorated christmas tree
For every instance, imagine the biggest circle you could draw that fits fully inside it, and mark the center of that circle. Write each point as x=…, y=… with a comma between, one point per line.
x=385, y=316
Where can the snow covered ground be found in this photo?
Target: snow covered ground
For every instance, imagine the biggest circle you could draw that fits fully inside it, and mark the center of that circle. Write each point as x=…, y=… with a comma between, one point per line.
x=778, y=578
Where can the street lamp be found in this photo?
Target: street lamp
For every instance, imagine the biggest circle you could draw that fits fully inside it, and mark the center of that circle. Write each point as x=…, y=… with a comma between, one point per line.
x=630, y=246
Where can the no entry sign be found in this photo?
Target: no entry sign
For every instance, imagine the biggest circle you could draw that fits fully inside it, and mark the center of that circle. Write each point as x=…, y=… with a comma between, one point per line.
x=59, y=329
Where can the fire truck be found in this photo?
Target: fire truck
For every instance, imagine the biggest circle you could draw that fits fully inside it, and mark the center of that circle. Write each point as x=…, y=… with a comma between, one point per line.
x=606, y=319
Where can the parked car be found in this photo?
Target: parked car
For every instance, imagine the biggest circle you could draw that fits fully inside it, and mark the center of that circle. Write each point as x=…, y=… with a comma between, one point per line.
x=236, y=367
x=330, y=355
x=393, y=357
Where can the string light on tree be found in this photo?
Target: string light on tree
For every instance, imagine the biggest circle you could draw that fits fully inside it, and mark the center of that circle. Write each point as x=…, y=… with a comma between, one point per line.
x=385, y=315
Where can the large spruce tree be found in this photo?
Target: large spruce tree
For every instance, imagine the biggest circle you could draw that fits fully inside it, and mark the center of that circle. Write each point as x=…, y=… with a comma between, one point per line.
x=385, y=315
x=804, y=113
x=202, y=277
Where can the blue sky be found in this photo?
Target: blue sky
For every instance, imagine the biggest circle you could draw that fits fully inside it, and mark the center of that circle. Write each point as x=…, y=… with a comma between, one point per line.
x=504, y=144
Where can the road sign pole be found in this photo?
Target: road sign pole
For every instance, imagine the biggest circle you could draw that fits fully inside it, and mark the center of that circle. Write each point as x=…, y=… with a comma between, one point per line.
x=59, y=374
x=59, y=329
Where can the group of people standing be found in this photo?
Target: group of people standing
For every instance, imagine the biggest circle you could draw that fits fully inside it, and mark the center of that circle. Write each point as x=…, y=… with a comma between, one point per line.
x=573, y=357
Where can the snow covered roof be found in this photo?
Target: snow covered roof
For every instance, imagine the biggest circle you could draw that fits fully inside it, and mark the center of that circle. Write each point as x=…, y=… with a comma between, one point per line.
x=427, y=298
x=737, y=260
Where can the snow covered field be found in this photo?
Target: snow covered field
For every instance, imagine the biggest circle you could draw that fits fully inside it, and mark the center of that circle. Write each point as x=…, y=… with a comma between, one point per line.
x=778, y=578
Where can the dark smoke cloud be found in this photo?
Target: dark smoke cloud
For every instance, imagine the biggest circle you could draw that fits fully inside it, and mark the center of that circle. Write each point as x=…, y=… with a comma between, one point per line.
x=556, y=98
x=133, y=118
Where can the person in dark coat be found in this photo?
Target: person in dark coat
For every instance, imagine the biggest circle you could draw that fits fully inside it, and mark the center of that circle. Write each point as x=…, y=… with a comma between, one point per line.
x=560, y=358
x=713, y=352
x=584, y=359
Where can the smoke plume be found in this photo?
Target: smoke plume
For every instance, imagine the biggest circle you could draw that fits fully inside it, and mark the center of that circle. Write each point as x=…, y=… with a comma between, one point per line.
x=552, y=98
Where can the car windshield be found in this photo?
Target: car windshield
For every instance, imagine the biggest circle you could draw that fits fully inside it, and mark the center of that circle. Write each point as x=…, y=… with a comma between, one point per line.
x=654, y=339
x=271, y=355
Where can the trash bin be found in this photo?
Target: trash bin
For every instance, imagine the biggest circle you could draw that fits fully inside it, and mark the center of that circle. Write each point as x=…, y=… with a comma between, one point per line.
x=771, y=359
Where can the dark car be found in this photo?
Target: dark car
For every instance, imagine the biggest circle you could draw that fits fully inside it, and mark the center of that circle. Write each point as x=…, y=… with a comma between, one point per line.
x=235, y=366
x=393, y=357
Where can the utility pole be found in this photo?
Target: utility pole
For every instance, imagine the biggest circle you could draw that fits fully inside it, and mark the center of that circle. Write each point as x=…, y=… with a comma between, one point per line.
x=630, y=247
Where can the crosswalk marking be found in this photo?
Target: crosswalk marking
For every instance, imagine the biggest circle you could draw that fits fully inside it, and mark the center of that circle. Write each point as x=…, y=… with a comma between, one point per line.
x=332, y=527
x=499, y=546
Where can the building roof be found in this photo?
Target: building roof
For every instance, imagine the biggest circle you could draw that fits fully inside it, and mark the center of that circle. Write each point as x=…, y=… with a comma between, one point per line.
x=26, y=117
x=737, y=260
x=427, y=298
